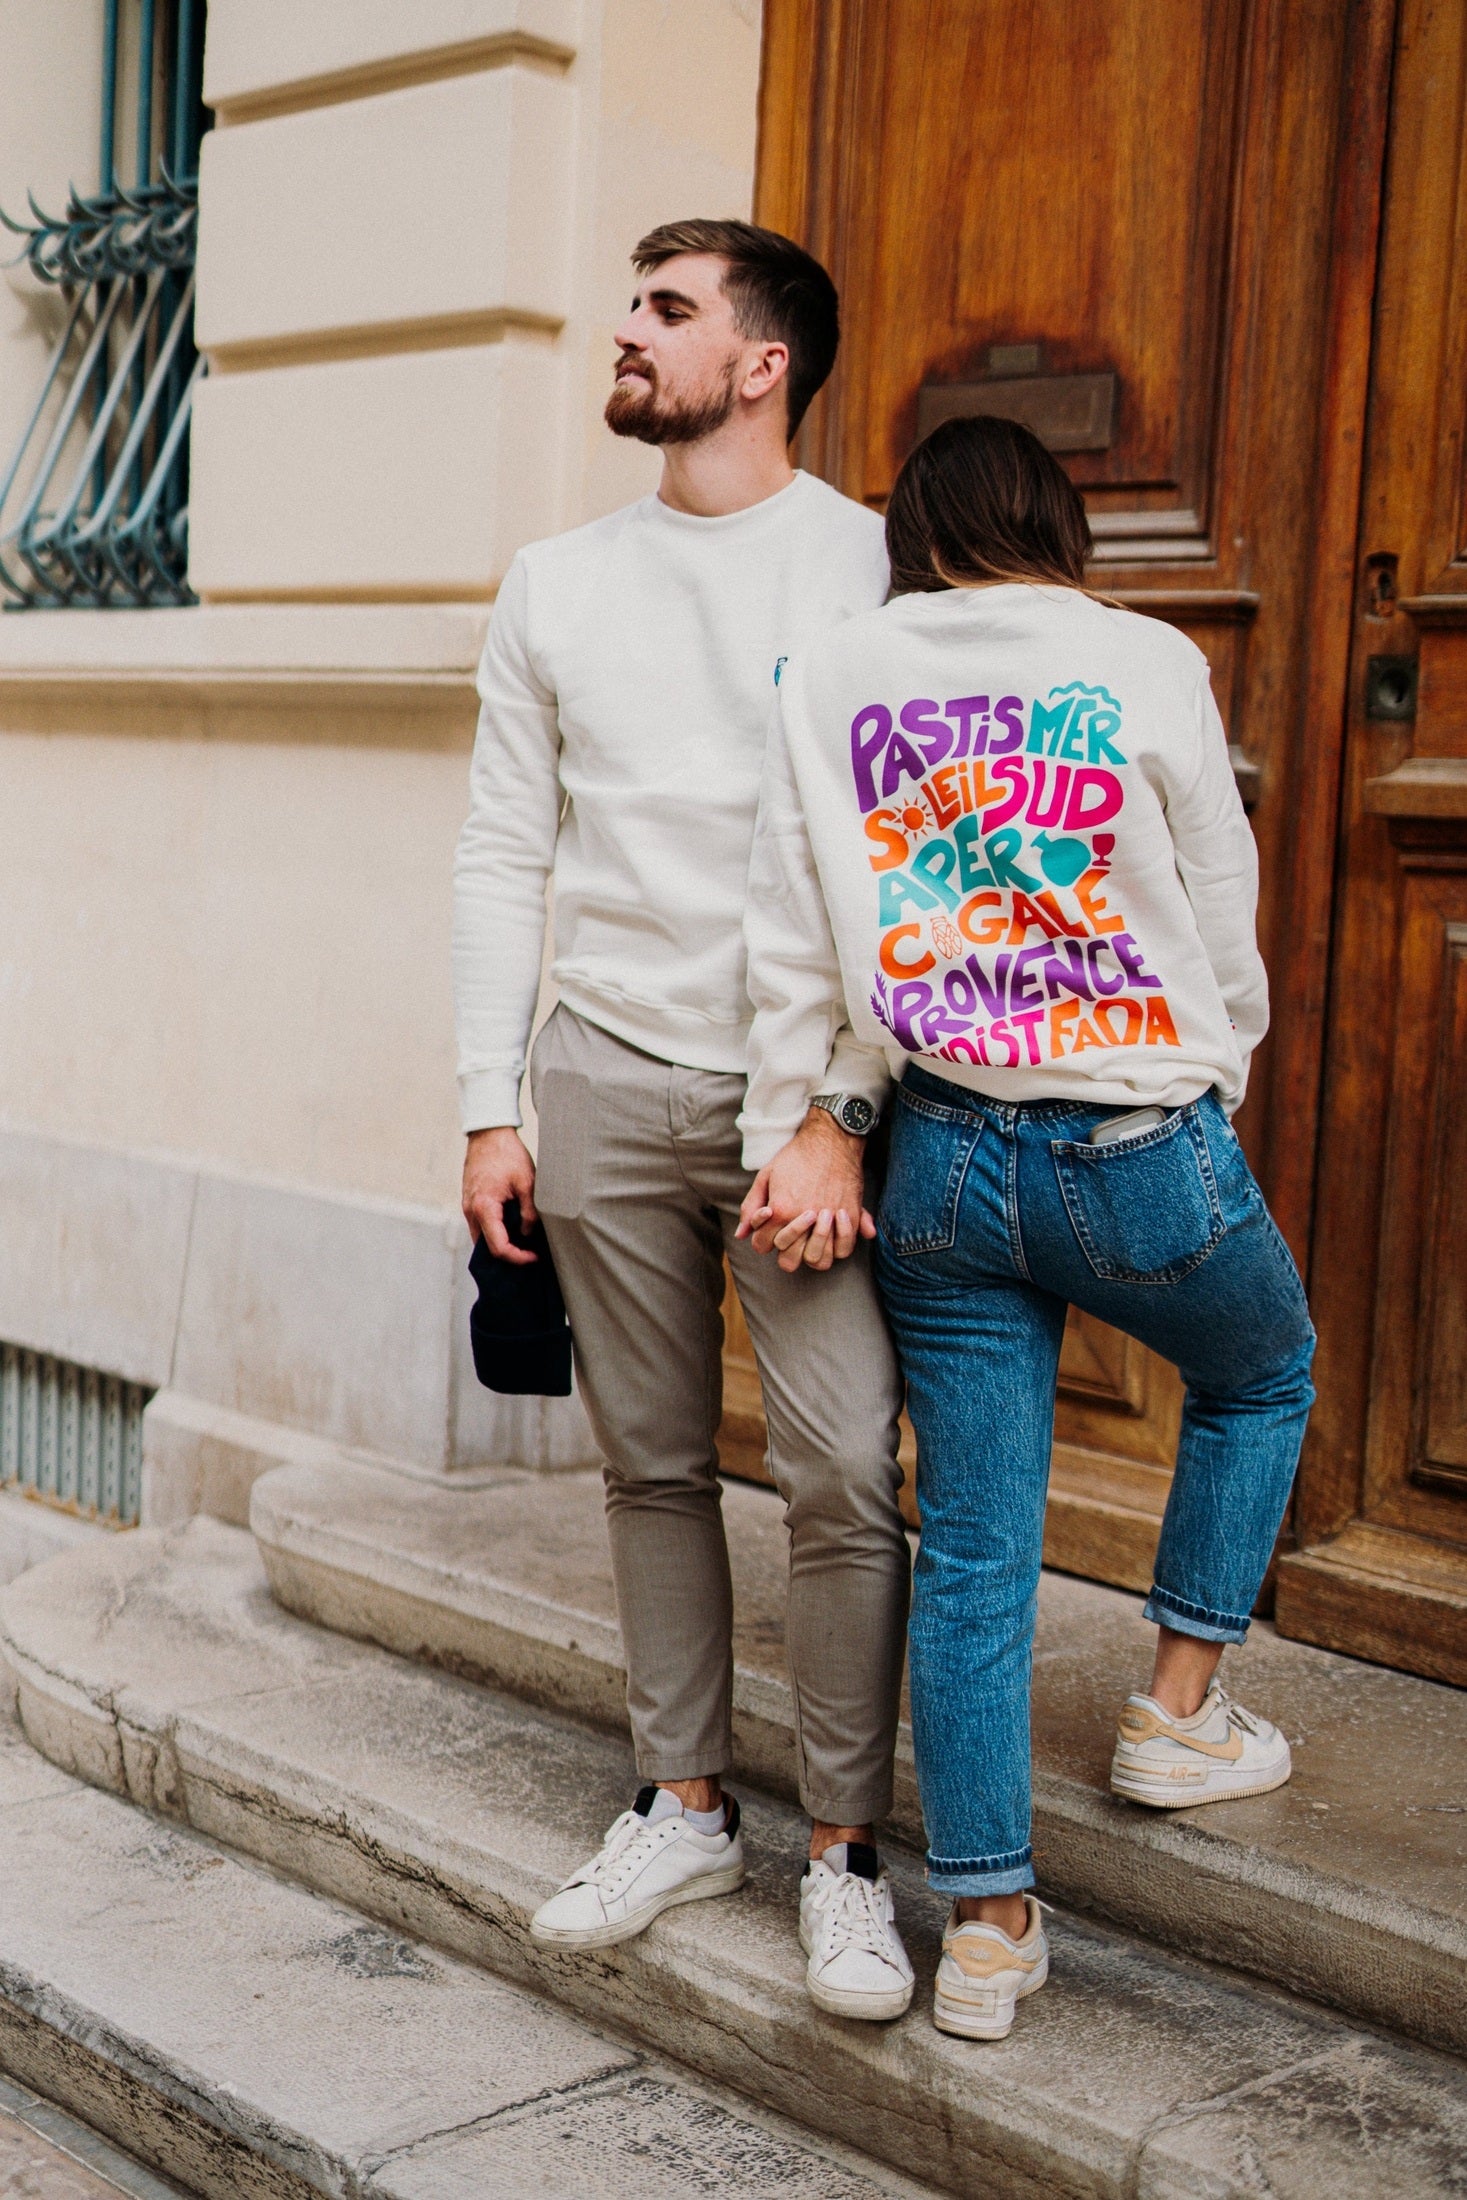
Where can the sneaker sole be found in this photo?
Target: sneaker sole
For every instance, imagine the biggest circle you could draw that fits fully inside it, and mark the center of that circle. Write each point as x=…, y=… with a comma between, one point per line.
x=627, y=1928
x=867, y=2008
x=967, y=2023
x=1167, y=1798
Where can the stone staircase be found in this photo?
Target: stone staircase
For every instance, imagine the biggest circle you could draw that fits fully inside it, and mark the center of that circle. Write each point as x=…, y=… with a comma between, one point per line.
x=254, y=2040
x=1349, y=1885
x=1266, y=1998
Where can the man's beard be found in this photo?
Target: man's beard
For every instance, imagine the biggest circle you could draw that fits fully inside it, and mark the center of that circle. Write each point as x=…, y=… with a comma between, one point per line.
x=652, y=419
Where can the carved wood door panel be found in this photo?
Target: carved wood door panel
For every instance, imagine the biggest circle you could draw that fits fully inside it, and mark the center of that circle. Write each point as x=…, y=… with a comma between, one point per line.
x=1120, y=223
x=1382, y=1507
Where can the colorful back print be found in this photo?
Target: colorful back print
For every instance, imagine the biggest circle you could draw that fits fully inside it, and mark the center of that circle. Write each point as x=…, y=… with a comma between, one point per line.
x=992, y=828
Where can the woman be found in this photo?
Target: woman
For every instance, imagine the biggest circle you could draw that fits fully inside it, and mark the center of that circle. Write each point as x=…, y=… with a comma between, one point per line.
x=1014, y=802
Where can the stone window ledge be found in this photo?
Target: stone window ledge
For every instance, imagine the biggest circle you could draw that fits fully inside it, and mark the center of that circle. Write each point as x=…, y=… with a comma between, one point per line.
x=390, y=653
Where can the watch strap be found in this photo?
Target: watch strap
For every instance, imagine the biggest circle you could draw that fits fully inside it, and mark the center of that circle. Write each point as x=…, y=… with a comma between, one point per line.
x=851, y=1111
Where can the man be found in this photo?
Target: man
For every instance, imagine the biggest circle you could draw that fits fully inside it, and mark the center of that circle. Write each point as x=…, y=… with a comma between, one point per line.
x=627, y=683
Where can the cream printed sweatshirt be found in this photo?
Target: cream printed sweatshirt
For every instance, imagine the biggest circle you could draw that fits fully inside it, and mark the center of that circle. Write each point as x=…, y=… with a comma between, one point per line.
x=999, y=834
x=628, y=689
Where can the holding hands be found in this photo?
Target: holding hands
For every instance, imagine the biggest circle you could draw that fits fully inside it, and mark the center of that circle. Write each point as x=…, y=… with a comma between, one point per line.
x=807, y=1204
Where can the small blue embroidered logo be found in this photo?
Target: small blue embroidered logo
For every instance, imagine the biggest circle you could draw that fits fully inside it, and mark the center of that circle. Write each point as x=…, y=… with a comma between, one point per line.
x=779, y=667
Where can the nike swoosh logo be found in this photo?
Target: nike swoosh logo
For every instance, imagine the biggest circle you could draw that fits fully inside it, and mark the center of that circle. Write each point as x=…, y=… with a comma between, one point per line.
x=1139, y=1727
x=1229, y=1751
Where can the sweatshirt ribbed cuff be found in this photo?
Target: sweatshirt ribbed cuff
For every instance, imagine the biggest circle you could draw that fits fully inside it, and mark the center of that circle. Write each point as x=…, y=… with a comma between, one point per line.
x=488, y=1097
x=852, y=1068
x=858, y=1069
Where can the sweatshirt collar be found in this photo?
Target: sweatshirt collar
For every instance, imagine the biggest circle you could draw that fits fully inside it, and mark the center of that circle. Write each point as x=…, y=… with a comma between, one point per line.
x=961, y=602
x=724, y=523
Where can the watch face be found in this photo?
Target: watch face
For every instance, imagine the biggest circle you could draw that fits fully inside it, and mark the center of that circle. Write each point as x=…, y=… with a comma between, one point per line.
x=857, y=1115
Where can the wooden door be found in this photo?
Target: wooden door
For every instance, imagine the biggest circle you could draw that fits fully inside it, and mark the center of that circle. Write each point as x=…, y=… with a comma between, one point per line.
x=1382, y=1510
x=1147, y=227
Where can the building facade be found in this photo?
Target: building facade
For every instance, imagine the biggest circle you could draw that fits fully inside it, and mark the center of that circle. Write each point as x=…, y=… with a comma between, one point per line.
x=230, y=1154
x=1220, y=271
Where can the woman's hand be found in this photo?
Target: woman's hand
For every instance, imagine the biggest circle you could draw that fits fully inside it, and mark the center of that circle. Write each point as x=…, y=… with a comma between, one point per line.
x=806, y=1205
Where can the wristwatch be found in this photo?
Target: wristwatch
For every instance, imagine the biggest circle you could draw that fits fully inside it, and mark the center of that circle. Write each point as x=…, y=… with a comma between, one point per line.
x=851, y=1112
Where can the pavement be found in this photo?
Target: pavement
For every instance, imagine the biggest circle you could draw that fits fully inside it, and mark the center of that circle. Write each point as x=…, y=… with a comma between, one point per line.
x=47, y=2155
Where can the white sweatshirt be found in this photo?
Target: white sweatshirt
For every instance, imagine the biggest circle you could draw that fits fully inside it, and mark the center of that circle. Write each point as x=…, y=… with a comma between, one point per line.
x=1002, y=824
x=628, y=688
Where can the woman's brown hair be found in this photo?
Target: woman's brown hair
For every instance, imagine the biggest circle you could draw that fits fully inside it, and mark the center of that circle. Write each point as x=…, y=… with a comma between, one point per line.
x=983, y=500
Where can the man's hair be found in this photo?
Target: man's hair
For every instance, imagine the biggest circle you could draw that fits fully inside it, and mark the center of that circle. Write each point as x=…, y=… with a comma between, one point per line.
x=983, y=500
x=777, y=291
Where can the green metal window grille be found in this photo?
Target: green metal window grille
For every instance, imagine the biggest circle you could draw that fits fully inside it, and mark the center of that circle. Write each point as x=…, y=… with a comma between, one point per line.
x=94, y=501
x=71, y=1435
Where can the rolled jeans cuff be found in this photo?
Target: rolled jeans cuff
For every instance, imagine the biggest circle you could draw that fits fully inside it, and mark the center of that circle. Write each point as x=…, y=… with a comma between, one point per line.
x=1186, y=1618
x=1010, y=1873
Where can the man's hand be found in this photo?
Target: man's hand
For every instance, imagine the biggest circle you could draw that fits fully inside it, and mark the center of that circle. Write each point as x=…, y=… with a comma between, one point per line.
x=498, y=1167
x=806, y=1204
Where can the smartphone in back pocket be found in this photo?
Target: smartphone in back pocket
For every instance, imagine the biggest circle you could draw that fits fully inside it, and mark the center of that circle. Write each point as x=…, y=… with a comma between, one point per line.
x=1127, y=1126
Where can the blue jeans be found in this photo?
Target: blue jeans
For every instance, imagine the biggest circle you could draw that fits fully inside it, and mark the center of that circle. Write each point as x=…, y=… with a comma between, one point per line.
x=995, y=1219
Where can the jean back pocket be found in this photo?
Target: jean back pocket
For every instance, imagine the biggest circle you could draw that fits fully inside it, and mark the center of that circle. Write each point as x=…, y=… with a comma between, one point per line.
x=931, y=1147
x=1146, y=1209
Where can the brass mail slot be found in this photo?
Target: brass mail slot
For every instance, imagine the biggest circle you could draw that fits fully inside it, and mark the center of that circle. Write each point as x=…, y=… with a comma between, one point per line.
x=1068, y=412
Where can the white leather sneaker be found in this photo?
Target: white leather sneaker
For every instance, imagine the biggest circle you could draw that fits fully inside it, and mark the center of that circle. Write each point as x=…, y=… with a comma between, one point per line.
x=858, y=1966
x=983, y=1975
x=1172, y=1764
x=641, y=1869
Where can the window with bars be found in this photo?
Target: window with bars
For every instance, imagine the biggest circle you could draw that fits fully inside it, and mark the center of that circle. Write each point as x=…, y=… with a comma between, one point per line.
x=94, y=499
x=71, y=1435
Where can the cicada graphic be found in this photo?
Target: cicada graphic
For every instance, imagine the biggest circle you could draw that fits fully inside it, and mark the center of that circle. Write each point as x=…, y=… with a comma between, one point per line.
x=946, y=938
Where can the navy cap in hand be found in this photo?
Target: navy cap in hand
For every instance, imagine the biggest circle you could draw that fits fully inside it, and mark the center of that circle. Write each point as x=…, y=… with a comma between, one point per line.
x=518, y=1327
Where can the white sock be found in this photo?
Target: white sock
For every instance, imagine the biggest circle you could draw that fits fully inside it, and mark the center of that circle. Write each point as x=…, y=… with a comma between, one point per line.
x=666, y=1805
x=859, y=1857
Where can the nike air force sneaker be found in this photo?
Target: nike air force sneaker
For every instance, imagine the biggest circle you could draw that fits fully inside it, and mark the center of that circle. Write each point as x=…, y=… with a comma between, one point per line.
x=983, y=1975
x=1221, y=1751
x=858, y=1966
x=646, y=1864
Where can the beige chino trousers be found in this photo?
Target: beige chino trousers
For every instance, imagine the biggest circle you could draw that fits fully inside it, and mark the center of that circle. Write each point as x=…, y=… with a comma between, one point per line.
x=639, y=1181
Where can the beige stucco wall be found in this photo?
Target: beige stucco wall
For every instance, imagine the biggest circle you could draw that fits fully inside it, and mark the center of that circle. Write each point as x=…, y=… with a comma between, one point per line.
x=224, y=901
x=223, y=934
x=50, y=107
x=678, y=85
x=448, y=256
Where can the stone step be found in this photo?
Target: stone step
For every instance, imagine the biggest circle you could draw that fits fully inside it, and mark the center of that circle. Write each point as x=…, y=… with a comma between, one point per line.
x=257, y=2041
x=1349, y=1885
x=157, y=1665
